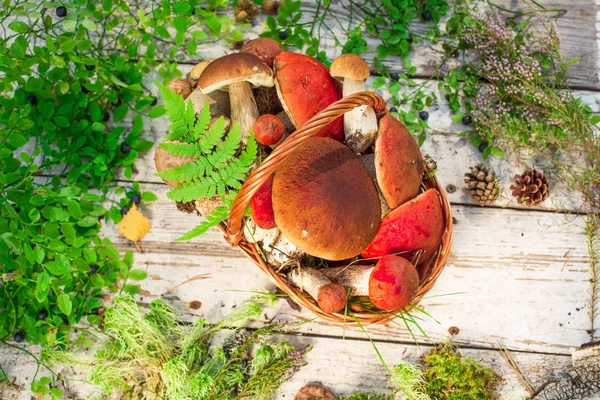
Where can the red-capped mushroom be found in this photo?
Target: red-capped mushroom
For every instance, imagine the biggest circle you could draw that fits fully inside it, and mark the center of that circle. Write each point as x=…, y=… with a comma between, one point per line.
x=261, y=206
x=264, y=48
x=360, y=124
x=391, y=284
x=237, y=72
x=305, y=87
x=324, y=200
x=398, y=162
x=268, y=129
x=330, y=296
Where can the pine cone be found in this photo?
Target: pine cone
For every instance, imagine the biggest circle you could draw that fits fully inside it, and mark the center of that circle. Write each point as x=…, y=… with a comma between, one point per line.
x=482, y=185
x=531, y=188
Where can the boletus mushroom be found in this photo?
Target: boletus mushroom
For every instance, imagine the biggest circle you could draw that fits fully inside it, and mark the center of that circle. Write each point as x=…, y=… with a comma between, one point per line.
x=324, y=200
x=164, y=160
x=391, y=284
x=181, y=86
x=238, y=72
x=330, y=296
x=268, y=129
x=195, y=72
x=264, y=48
x=360, y=124
x=261, y=206
x=398, y=162
x=305, y=87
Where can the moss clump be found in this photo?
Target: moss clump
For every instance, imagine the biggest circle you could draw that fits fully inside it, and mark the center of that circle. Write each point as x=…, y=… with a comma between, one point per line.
x=450, y=376
x=365, y=396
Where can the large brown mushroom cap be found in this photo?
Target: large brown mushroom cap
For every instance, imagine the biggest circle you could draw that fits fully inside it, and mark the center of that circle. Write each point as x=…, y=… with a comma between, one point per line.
x=234, y=68
x=350, y=66
x=264, y=48
x=398, y=162
x=324, y=200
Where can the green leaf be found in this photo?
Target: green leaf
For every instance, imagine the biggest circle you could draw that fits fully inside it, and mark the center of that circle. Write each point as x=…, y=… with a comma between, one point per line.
x=137, y=274
x=497, y=152
x=69, y=25
x=131, y=289
x=89, y=25
x=69, y=45
x=456, y=118
x=157, y=111
x=185, y=172
x=595, y=119
x=219, y=215
x=64, y=303
x=57, y=61
x=149, y=196
x=87, y=221
x=19, y=26
x=68, y=231
x=17, y=140
x=181, y=149
x=42, y=286
x=60, y=265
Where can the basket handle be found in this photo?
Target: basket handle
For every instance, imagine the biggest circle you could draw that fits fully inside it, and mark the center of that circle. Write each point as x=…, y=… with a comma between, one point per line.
x=234, y=230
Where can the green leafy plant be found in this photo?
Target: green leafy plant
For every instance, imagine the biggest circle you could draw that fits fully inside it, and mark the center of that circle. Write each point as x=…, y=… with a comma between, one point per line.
x=448, y=375
x=159, y=356
x=217, y=170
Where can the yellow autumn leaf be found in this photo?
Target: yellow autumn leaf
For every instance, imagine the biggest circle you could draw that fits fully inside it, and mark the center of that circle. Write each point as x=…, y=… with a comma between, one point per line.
x=134, y=225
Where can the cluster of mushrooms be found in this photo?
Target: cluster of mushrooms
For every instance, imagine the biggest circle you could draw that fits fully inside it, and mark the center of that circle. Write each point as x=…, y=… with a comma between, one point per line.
x=349, y=195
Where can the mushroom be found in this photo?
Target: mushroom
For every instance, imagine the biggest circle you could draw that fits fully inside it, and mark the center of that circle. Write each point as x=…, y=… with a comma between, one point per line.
x=264, y=48
x=368, y=160
x=218, y=102
x=181, y=86
x=305, y=87
x=195, y=72
x=314, y=392
x=164, y=160
x=276, y=248
x=261, y=206
x=268, y=129
x=324, y=200
x=391, y=284
x=237, y=72
x=360, y=124
x=398, y=162
x=330, y=296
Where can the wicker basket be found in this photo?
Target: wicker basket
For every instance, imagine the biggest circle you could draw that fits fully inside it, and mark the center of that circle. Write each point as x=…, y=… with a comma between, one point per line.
x=234, y=232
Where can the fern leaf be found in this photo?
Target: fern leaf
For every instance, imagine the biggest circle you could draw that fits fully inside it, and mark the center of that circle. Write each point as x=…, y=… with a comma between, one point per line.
x=184, y=172
x=175, y=110
x=228, y=148
x=250, y=152
x=202, y=123
x=181, y=149
x=190, y=117
x=218, y=215
x=213, y=136
x=205, y=187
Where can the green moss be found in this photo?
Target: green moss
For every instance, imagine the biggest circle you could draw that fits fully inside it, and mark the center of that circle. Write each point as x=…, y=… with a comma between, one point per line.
x=365, y=396
x=450, y=376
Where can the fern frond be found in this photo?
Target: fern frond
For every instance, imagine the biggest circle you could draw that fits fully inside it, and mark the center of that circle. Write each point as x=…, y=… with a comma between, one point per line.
x=228, y=148
x=218, y=215
x=181, y=149
x=204, y=187
x=202, y=123
x=186, y=172
x=190, y=118
x=175, y=109
x=212, y=137
x=250, y=152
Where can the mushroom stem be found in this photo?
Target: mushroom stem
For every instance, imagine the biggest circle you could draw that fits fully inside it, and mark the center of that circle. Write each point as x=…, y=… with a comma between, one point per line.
x=355, y=278
x=360, y=124
x=243, y=108
x=330, y=296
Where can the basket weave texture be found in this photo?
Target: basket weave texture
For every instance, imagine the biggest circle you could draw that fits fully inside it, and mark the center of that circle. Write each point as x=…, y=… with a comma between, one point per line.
x=234, y=232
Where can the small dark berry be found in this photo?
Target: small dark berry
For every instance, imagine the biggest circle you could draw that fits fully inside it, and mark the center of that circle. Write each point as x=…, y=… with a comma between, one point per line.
x=482, y=147
x=93, y=269
x=19, y=337
x=155, y=101
x=410, y=39
x=135, y=199
x=455, y=54
x=118, y=103
x=32, y=99
x=43, y=314
x=125, y=148
x=283, y=35
x=61, y=11
x=85, y=90
x=447, y=97
x=424, y=115
x=90, y=67
x=124, y=210
x=427, y=16
x=96, y=311
x=394, y=76
x=393, y=109
x=106, y=117
x=466, y=120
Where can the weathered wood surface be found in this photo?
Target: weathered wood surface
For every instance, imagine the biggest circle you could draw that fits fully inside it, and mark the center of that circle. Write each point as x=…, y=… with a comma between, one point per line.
x=522, y=275
x=344, y=366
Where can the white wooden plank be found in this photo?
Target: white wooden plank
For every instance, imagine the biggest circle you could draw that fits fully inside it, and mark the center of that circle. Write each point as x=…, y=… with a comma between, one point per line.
x=343, y=366
x=524, y=276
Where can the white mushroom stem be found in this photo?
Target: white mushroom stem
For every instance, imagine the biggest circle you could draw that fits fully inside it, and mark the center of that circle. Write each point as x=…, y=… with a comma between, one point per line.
x=217, y=108
x=243, y=108
x=360, y=124
x=355, y=278
x=330, y=296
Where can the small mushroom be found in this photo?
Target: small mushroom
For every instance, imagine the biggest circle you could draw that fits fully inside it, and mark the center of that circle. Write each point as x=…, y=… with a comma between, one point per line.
x=360, y=124
x=268, y=129
x=195, y=72
x=324, y=200
x=305, y=88
x=391, y=284
x=218, y=105
x=261, y=206
x=314, y=392
x=164, y=160
x=264, y=48
x=330, y=296
x=181, y=86
x=237, y=72
x=277, y=249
